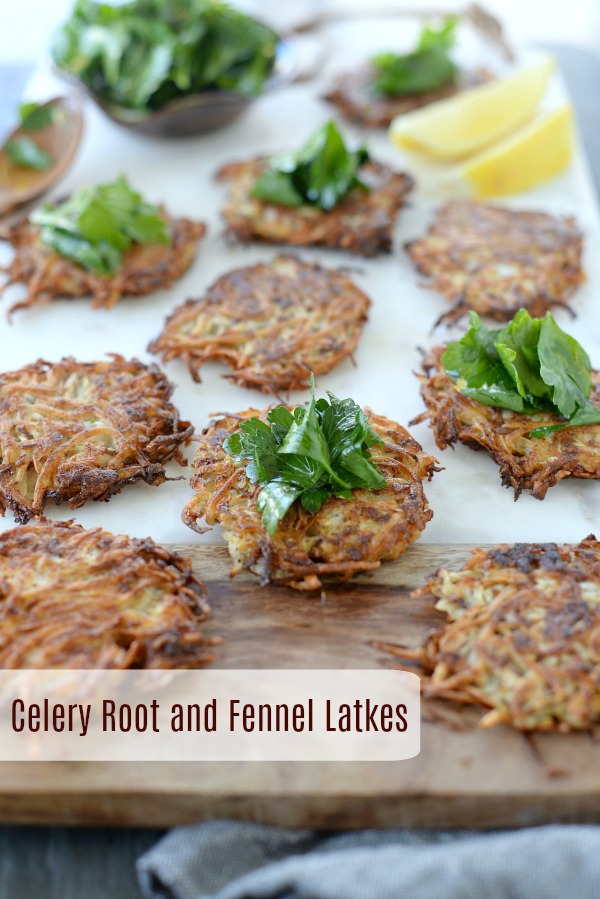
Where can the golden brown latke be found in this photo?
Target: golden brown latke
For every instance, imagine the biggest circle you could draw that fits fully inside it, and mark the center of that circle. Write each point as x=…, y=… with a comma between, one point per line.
x=526, y=463
x=145, y=268
x=355, y=95
x=273, y=323
x=362, y=222
x=497, y=261
x=523, y=638
x=73, y=431
x=343, y=538
x=75, y=598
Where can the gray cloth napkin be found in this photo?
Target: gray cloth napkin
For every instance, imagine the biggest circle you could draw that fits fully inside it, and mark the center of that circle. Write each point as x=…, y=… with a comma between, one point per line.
x=230, y=860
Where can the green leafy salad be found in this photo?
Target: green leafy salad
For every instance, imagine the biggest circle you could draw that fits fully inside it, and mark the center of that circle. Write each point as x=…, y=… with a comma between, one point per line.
x=23, y=151
x=145, y=53
x=530, y=365
x=427, y=68
x=308, y=455
x=321, y=173
x=96, y=225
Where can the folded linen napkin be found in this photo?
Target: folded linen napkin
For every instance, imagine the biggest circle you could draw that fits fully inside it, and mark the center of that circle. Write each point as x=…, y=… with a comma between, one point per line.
x=232, y=860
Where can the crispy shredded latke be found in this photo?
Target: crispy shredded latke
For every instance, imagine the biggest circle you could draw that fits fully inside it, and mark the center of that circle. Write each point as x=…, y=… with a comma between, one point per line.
x=145, y=268
x=75, y=598
x=523, y=638
x=343, y=538
x=362, y=223
x=273, y=323
x=497, y=261
x=73, y=431
x=526, y=463
x=355, y=95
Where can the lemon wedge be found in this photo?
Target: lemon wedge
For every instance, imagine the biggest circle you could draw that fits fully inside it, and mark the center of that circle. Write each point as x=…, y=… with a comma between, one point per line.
x=455, y=128
x=534, y=154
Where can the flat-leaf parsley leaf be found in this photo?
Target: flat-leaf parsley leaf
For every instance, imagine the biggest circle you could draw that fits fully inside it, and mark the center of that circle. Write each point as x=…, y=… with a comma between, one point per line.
x=25, y=153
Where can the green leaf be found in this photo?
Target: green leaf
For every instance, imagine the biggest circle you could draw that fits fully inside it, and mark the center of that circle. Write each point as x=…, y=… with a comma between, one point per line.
x=517, y=347
x=312, y=500
x=321, y=173
x=305, y=438
x=565, y=366
x=35, y=117
x=276, y=187
x=25, y=153
x=443, y=37
x=530, y=365
x=364, y=473
x=427, y=68
x=274, y=500
x=96, y=225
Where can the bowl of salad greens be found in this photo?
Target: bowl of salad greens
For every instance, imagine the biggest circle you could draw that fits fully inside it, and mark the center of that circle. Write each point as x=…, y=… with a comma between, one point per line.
x=169, y=67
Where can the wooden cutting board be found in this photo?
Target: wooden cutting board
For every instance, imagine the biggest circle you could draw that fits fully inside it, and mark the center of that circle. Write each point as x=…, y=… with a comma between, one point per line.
x=463, y=777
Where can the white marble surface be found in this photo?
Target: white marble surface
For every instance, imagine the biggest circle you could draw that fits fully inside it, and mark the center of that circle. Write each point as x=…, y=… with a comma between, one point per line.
x=469, y=503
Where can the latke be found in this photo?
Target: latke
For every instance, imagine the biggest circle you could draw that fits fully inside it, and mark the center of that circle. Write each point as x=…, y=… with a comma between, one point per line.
x=273, y=323
x=146, y=267
x=496, y=260
x=362, y=223
x=523, y=638
x=344, y=537
x=75, y=598
x=74, y=431
x=526, y=463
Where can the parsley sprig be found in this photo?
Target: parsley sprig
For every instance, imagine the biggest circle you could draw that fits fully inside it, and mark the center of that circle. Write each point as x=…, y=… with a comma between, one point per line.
x=427, y=68
x=96, y=225
x=307, y=455
x=37, y=116
x=26, y=154
x=530, y=365
x=321, y=173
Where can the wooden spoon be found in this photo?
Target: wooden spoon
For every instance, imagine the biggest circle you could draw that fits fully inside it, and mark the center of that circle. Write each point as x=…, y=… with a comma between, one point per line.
x=59, y=139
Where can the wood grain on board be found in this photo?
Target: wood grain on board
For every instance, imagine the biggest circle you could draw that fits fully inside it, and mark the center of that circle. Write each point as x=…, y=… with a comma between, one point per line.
x=463, y=776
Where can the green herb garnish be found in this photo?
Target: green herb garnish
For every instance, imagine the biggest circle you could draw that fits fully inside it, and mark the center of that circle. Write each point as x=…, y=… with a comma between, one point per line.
x=35, y=117
x=145, y=53
x=25, y=153
x=529, y=366
x=96, y=225
x=308, y=455
x=321, y=173
x=428, y=68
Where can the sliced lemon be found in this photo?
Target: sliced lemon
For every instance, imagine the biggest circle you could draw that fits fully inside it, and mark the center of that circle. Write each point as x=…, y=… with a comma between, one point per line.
x=473, y=119
x=534, y=154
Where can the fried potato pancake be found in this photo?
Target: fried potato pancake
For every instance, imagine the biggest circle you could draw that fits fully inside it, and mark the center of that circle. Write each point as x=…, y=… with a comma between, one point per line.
x=361, y=223
x=496, y=260
x=523, y=638
x=356, y=97
x=273, y=323
x=344, y=537
x=145, y=268
x=74, y=431
x=76, y=598
x=526, y=463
